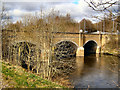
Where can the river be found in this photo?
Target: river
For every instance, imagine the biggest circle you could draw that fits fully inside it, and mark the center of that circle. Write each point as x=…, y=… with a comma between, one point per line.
x=95, y=71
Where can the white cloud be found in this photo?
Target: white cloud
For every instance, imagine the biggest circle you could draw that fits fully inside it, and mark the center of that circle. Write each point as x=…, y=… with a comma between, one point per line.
x=17, y=12
x=78, y=9
x=39, y=0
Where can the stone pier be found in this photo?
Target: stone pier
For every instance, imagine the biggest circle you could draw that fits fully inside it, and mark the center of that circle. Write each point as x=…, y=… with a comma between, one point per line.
x=80, y=51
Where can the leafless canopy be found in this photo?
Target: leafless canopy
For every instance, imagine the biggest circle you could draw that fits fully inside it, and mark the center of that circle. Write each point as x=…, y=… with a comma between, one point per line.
x=101, y=5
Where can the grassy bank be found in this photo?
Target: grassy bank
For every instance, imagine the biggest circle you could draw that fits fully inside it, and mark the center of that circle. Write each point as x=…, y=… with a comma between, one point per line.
x=17, y=77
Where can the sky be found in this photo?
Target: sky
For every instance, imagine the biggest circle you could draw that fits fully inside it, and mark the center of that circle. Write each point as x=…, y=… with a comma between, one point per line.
x=78, y=9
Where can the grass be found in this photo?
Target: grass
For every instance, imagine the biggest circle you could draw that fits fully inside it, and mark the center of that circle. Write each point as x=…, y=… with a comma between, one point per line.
x=17, y=77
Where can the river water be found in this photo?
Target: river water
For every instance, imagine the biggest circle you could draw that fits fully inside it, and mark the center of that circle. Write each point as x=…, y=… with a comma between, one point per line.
x=95, y=71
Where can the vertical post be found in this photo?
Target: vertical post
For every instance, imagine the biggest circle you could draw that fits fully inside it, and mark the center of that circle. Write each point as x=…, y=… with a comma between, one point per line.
x=16, y=61
x=9, y=54
x=113, y=26
x=97, y=25
x=12, y=56
x=118, y=43
x=29, y=60
x=50, y=50
x=47, y=56
x=80, y=49
x=19, y=50
x=80, y=39
x=101, y=26
x=113, y=23
x=84, y=25
x=100, y=41
x=116, y=26
x=79, y=33
x=37, y=52
x=104, y=24
x=83, y=39
x=79, y=25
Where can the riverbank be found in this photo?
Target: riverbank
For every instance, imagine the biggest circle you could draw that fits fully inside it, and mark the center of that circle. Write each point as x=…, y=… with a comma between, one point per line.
x=117, y=55
x=113, y=52
x=17, y=77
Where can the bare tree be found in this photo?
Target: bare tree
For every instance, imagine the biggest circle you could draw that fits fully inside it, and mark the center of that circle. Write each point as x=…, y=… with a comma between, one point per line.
x=105, y=5
x=101, y=5
x=5, y=17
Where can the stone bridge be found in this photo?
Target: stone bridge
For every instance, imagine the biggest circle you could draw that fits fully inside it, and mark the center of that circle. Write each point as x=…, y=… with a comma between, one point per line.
x=85, y=42
x=26, y=48
x=82, y=43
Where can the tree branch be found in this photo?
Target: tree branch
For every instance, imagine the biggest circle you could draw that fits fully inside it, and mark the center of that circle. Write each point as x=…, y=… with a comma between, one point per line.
x=100, y=6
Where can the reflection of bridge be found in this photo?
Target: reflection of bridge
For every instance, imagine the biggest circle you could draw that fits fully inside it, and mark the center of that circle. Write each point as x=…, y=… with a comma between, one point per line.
x=85, y=42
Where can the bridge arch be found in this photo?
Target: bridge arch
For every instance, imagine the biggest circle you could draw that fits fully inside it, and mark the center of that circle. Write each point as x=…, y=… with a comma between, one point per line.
x=65, y=49
x=90, y=47
x=24, y=53
x=67, y=41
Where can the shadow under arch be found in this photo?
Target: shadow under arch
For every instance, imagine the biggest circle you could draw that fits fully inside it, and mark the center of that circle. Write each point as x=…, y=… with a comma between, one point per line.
x=90, y=47
x=65, y=49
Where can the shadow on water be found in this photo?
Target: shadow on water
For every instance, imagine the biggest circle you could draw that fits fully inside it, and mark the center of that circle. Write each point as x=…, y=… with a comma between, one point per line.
x=89, y=61
x=93, y=70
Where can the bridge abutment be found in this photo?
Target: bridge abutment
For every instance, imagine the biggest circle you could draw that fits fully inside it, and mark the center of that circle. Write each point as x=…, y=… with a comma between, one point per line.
x=80, y=51
x=98, y=50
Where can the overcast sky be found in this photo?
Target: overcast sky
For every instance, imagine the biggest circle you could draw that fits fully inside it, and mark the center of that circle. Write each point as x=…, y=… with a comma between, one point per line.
x=78, y=9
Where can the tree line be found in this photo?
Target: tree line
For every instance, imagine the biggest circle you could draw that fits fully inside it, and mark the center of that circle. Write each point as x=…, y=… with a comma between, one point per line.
x=63, y=23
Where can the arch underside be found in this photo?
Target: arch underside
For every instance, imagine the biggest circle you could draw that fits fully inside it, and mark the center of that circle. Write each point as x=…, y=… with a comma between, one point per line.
x=90, y=47
x=65, y=49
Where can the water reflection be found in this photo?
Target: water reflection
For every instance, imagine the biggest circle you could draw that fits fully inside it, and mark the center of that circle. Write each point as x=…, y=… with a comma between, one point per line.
x=95, y=71
x=90, y=61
